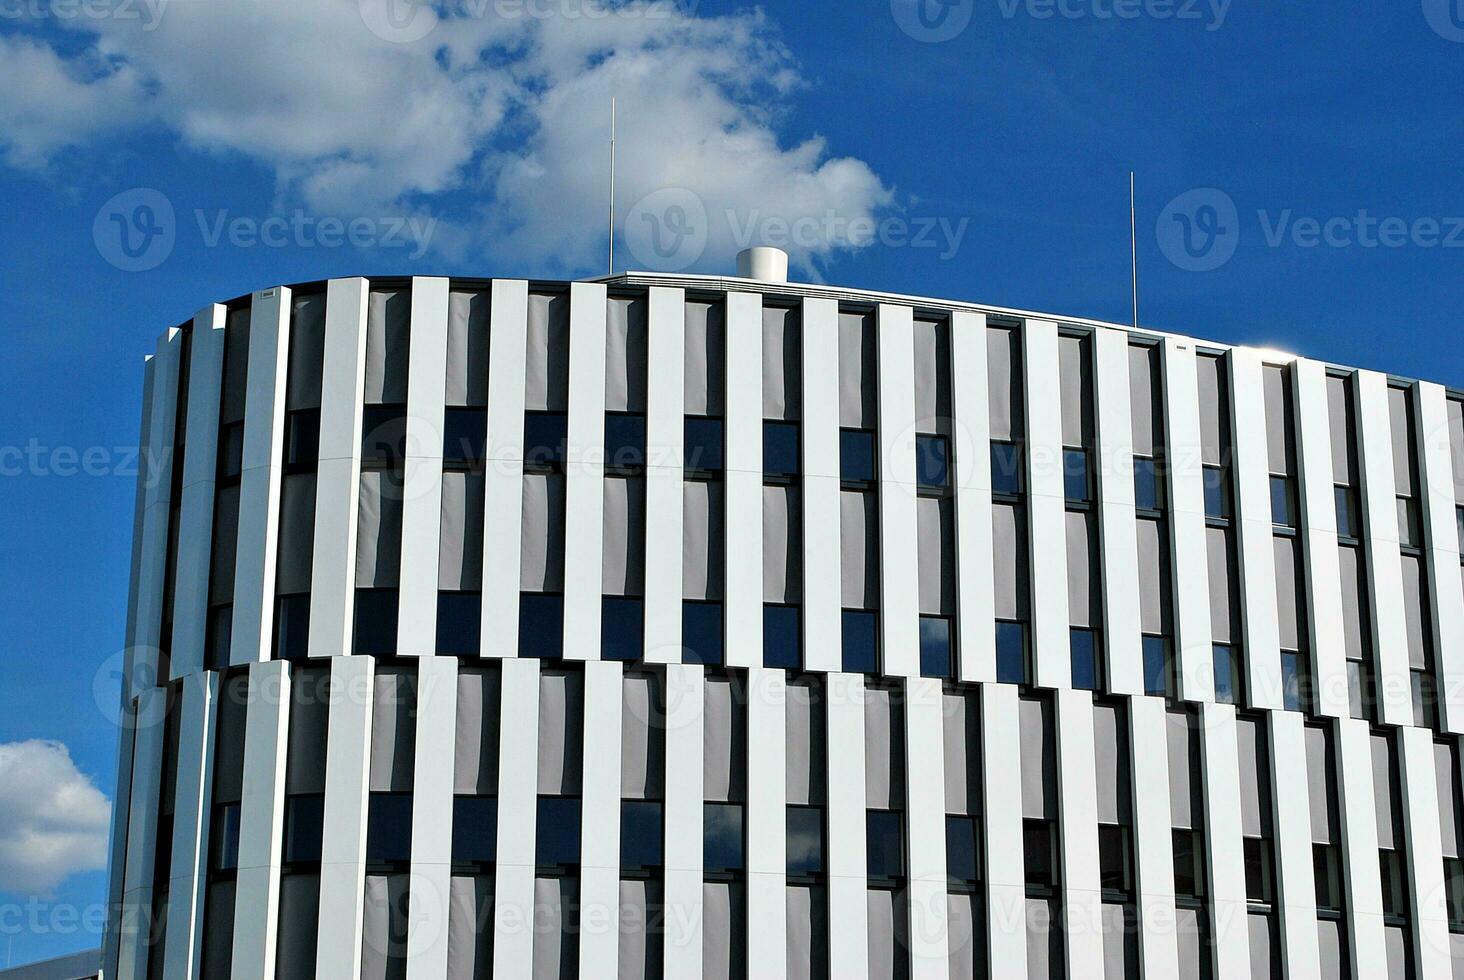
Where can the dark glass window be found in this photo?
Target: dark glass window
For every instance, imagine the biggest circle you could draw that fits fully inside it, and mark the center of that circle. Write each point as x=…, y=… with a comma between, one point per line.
x=780, y=450
x=1282, y=507
x=224, y=838
x=1156, y=665
x=1256, y=854
x=703, y=445
x=231, y=452
x=1410, y=523
x=805, y=840
x=1148, y=484
x=1083, y=645
x=304, y=829
x=1077, y=480
x=1217, y=494
x=1459, y=522
x=622, y=627
x=475, y=829
x=856, y=456
x=1293, y=674
x=459, y=623
x=963, y=851
x=220, y=632
x=1189, y=877
x=292, y=627
x=935, y=647
x=302, y=440
x=1227, y=673
x=546, y=437
x=1006, y=468
x=464, y=436
x=860, y=638
x=886, y=846
x=701, y=632
x=1011, y=653
x=383, y=436
x=640, y=834
x=541, y=625
x=557, y=833
x=1348, y=525
x=1039, y=853
x=932, y=462
x=782, y=637
x=1395, y=896
x=1421, y=687
x=625, y=442
x=389, y=828
x=722, y=837
x=1454, y=893
x=1327, y=870
x=376, y=622
x=1113, y=859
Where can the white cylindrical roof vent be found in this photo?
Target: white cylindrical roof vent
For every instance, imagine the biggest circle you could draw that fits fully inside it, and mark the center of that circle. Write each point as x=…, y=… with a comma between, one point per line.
x=764, y=263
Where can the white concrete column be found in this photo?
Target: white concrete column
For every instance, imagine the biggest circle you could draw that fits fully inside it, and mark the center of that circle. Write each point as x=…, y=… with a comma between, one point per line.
x=1360, y=849
x=685, y=706
x=200, y=469
x=261, y=822
x=1082, y=885
x=343, y=841
x=338, y=476
x=822, y=602
x=142, y=829
x=848, y=858
x=1441, y=537
x=1224, y=852
x=1430, y=914
x=1319, y=539
x=1384, y=561
x=1256, y=550
x=1046, y=507
x=432, y=813
x=518, y=805
x=899, y=616
x=1190, y=588
x=767, y=823
x=252, y=638
x=1006, y=886
x=1118, y=528
x=155, y=488
x=1153, y=839
x=929, y=926
x=503, y=485
x=422, y=469
x=600, y=822
x=1296, y=888
x=584, y=493
x=188, y=869
x=665, y=437
x=971, y=428
x=742, y=480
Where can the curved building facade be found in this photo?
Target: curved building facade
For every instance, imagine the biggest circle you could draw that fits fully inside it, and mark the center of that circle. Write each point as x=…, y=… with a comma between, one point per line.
x=676, y=626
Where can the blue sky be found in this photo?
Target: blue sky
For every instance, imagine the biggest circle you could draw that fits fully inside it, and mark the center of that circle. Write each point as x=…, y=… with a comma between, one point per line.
x=1271, y=140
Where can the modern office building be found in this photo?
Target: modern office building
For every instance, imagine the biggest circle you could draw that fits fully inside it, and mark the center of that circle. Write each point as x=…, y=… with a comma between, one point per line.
x=684, y=626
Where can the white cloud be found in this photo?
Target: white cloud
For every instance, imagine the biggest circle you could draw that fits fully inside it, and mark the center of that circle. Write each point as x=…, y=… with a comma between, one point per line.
x=53, y=820
x=496, y=119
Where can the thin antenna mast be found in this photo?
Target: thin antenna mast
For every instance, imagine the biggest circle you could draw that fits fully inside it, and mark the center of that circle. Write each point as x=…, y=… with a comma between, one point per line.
x=612, y=186
x=1134, y=248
